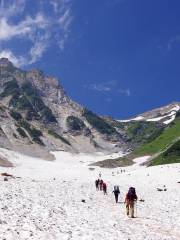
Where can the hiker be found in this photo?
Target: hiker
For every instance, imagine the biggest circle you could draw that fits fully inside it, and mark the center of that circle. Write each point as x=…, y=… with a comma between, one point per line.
x=101, y=184
x=100, y=175
x=104, y=188
x=97, y=184
x=116, y=192
x=130, y=199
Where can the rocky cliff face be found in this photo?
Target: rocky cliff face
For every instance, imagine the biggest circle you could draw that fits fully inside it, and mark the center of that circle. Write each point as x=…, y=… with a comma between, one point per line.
x=36, y=113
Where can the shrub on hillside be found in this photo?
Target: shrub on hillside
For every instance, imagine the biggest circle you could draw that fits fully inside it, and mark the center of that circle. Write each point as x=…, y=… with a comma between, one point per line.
x=54, y=134
x=98, y=123
x=75, y=123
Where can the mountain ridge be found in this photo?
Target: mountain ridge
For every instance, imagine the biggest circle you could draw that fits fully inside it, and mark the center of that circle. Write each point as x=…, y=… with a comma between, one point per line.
x=37, y=117
x=39, y=111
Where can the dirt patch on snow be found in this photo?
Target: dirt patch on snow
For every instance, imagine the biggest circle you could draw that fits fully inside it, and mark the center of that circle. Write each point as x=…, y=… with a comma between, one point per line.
x=113, y=163
x=5, y=163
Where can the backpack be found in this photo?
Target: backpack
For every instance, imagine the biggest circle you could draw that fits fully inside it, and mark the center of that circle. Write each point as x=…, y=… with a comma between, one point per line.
x=131, y=194
x=116, y=189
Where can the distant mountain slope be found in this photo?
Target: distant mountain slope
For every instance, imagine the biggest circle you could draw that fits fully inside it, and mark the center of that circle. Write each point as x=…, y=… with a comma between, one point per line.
x=137, y=133
x=170, y=134
x=165, y=114
x=36, y=113
x=162, y=145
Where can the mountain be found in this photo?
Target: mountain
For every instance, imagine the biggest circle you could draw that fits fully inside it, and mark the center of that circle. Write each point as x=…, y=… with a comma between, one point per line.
x=155, y=133
x=165, y=114
x=163, y=148
x=37, y=116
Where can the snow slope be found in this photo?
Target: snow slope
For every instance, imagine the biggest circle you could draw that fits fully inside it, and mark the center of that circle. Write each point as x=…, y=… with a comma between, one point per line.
x=168, y=117
x=45, y=203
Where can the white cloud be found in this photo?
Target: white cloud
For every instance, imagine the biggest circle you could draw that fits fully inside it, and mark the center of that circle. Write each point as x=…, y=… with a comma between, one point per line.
x=65, y=20
x=40, y=29
x=55, y=6
x=100, y=87
x=62, y=43
x=127, y=92
x=172, y=42
x=25, y=28
x=59, y=5
x=107, y=87
x=10, y=8
x=38, y=48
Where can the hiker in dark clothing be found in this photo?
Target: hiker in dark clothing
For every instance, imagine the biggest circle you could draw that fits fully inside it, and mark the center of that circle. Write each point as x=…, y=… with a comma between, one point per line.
x=101, y=185
x=104, y=188
x=97, y=184
x=116, y=193
x=130, y=200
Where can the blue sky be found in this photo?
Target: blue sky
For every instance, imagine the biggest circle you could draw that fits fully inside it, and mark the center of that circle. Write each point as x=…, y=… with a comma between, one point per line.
x=116, y=57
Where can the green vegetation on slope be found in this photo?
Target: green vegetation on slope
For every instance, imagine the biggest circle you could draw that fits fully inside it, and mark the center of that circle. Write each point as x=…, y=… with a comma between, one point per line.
x=170, y=134
x=54, y=134
x=11, y=88
x=36, y=105
x=171, y=155
x=98, y=123
x=17, y=116
x=22, y=132
x=163, y=140
x=75, y=123
x=33, y=132
x=138, y=132
x=113, y=163
x=141, y=132
x=26, y=98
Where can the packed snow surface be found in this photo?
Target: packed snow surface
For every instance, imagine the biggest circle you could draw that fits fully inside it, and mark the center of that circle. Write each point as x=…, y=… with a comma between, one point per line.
x=46, y=201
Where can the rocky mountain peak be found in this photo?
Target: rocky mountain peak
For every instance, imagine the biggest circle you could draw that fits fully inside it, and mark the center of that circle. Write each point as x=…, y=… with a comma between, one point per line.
x=48, y=87
x=4, y=62
x=6, y=66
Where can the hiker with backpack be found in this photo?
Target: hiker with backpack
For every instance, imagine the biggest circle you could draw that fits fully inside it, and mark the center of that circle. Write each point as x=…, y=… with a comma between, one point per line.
x=97, y=184
x=116, y=192
x=130, y=200
x=101, y=184
x=105, y=188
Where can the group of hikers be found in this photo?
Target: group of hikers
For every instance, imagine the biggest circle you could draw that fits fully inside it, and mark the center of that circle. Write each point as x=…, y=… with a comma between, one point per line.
x=130, y=198
x=101, y=185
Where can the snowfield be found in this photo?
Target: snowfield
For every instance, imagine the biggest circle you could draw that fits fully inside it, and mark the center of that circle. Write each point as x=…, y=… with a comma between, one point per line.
x=171, y=115
x=46, y=201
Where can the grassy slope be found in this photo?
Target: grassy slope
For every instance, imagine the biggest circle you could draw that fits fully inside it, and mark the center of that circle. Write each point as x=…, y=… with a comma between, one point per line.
x=138, y=132
x=169, y=135
x=159, y=144
x=171, y=155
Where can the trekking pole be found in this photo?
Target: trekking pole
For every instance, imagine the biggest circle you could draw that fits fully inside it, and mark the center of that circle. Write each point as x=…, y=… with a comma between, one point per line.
x=136, y=208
